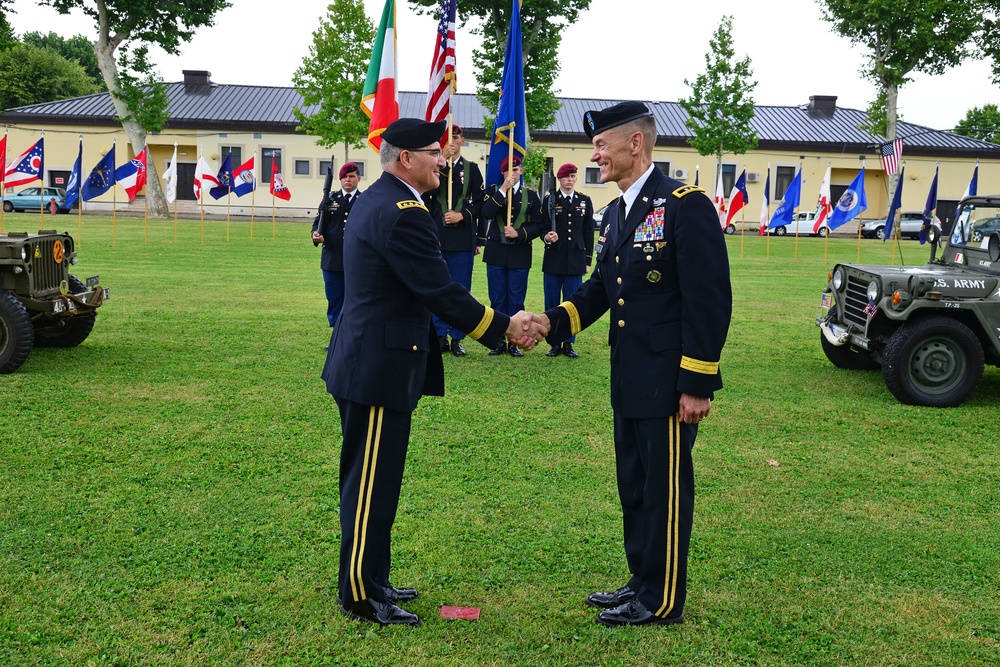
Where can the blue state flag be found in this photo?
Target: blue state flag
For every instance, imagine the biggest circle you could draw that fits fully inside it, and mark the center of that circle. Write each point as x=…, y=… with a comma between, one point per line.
x=786, y=209
x=102, y=177
x=894, y=207
x=851, y=203
x=511, y=110
x=225, y=179
x=73, y=186
x=929, y=209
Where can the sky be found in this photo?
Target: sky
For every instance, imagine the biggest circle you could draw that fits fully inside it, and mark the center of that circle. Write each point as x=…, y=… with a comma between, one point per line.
x=644, y=53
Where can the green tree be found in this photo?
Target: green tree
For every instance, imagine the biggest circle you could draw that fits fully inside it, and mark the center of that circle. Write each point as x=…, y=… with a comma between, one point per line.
x=721, y=107
x=29, y=75
x=125, y=29
x=542, y=25
x=332, y=77
x=981, y=123
x=907, y=36
x=77, y=49
x=7, y=38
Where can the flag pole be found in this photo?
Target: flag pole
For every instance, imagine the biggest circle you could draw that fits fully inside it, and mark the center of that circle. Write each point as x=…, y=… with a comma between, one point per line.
x=201, y=192
x=3, y=172
x=272, y=217
x=79, y=197
x=826, y=241
x=859, y=224
x=41, y=209
x=451, y=161
x=253, y=198
x=175, y=195
x=895, y=227
x=510, y=165
x=229, y=200
x=114, y=201
x=793, y=216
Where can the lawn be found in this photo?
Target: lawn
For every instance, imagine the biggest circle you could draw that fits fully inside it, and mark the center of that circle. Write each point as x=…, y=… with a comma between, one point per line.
x=168, y=489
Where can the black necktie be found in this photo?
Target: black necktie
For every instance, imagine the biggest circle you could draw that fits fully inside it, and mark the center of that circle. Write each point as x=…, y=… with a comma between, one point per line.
x=621, y=213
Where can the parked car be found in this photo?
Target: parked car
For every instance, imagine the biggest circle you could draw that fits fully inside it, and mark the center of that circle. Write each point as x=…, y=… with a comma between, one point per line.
x=599, y=217
x=33, y=199
x=982, y=229
x=910, y=223
x=802, y=224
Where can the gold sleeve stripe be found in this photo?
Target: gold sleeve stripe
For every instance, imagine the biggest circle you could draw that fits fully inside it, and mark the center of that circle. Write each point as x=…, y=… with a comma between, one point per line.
x=698, y=366
x=574, y=317
x=410, y=203
x=686, y=190
x=484, y=324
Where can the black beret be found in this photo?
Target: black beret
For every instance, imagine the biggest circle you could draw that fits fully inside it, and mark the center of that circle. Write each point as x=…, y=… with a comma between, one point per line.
x=413, y=132
x=595, y=122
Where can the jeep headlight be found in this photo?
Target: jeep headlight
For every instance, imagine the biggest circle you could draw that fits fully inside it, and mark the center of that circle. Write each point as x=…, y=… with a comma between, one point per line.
x=838, y=278
x=873, y=291
x=25, y=253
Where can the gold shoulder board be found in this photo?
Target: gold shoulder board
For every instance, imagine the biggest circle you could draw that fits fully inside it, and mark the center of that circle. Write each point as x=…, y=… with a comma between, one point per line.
x=686, y=190
x=410, y=203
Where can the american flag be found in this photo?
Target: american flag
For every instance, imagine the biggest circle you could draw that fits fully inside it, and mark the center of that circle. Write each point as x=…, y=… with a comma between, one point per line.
x=871, y=308
x=890, y=152
x=442, y=82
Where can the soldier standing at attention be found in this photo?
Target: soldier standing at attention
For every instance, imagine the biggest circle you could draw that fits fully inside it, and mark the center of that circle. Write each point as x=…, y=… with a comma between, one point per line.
x=508, y=246
x=457, y=226
x=569, y=246
x=338, y=205
x=386, y=356
x=663, y=272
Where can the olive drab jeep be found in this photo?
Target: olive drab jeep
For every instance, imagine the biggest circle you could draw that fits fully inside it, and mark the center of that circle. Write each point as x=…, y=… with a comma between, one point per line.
x=932, y=328
x=41, y=303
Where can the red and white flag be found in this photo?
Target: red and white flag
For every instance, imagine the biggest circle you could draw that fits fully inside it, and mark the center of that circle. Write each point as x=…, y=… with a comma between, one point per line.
x=442, y=81
x=132, y=174
x=891, y=152
x=720, y=201
x=204, y=176
x=824, y=207
x=738, y=198
x=765, y=204
x=380, y=97
x=26, y=167
x=278, y=187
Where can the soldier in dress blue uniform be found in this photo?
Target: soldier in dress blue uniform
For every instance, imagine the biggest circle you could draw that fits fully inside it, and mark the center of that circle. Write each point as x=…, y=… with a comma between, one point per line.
x=457, y=226
x=384, y=356
x=663, y=272
x=507, y=250
x=338, y=205
x=569, y=246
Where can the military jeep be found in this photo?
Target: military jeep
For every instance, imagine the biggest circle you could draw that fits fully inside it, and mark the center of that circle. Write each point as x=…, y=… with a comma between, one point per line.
x=41, y=303
x=932, y=328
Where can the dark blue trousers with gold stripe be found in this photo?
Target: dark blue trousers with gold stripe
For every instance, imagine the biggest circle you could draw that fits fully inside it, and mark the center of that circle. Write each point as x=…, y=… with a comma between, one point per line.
x=656, y=487
x=371, y=474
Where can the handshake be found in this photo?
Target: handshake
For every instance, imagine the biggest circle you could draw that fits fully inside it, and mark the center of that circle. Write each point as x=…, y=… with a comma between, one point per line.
x=527, y=329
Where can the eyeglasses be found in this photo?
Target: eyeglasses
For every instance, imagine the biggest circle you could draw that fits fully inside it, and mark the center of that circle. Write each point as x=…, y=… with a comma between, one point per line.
x=435, y=152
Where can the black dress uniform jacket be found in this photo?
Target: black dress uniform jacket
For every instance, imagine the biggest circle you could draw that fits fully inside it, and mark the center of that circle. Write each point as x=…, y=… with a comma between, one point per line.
x=574, y=251
x=337, y=208
x=516, y=255
x=665, y=278
x=462, y=236
x=384, y=351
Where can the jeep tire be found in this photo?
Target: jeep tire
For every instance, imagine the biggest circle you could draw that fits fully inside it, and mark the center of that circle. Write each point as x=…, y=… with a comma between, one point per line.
x=67, y=331
x=936, y=361
x=15, y=333
x=845, y=356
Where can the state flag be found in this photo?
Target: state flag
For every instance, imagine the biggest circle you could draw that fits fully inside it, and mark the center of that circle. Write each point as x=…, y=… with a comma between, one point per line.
x=26, y=167
x=132, y=174
x=278, y=187
x=243, y=179
x=102, y=177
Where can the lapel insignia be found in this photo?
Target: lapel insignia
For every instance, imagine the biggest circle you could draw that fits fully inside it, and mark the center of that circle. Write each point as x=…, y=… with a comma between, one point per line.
x=648, y=248
x=660, y=245
x=659, y=202
x=645, y=200
x=606, y=228
x=653, y=276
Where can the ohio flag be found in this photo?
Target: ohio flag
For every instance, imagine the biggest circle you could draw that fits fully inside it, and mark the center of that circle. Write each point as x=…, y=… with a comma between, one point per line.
x=26, y=167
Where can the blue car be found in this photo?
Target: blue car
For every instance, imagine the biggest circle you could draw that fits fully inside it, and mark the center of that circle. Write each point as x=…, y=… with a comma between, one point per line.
x=33, y=199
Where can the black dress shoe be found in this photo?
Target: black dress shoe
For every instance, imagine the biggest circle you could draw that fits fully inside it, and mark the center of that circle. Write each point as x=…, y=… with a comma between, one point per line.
x=499, y=349
x=382, y=613
x=554, y=351
x=396, y=595
x=515, y=351
x=457, y=349
x=568, y=350
x=444, y=343
x=634, y=612
x=611, y=600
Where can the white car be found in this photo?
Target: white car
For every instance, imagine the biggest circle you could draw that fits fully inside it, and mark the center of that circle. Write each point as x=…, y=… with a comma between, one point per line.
x=909, y=226
x=802, y=224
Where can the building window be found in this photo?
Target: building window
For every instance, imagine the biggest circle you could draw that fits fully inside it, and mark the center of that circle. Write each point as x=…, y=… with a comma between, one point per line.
x=782, y=179
x=361, y=167
x=664, y=167
x=592, y=176
x=302, y=167
x=324, y=165
x=235, y=154
x=269, y=156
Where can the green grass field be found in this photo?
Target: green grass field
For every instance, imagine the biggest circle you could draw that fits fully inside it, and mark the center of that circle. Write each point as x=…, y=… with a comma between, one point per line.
x=168, y=489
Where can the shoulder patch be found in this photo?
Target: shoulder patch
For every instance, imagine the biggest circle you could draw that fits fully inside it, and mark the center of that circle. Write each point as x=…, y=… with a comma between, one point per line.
x=410, y=203
x=686, y=190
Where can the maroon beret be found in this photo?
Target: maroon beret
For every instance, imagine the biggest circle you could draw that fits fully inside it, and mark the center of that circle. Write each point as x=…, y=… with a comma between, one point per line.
x=566, y=170
x=455, y=129
x=348, y=168
x=505, y=163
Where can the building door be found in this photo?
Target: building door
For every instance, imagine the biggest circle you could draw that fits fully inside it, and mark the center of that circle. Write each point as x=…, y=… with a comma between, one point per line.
x=58, y=179
x=185, y=182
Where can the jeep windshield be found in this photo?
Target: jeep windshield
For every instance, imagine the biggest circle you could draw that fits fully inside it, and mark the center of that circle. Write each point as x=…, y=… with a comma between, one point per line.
x=975, y=222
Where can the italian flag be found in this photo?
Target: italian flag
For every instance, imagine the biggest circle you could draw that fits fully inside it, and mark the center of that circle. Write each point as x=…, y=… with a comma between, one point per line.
x=380, y=99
